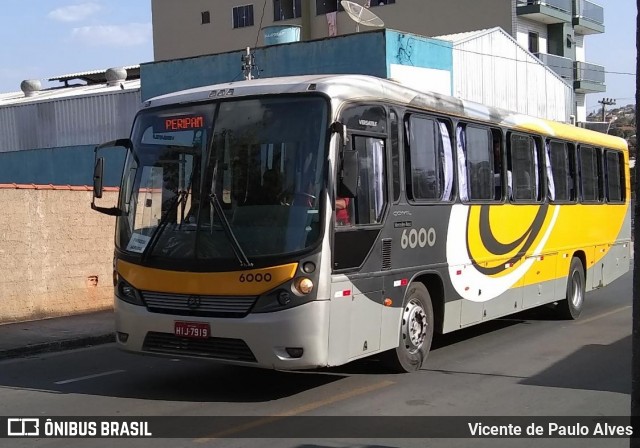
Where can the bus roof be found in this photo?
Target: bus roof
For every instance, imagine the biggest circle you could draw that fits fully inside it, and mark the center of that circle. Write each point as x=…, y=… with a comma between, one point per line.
x=370, y=88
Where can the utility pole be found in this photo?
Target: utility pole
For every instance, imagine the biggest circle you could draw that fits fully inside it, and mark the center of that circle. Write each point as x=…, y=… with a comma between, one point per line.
x=606, y=102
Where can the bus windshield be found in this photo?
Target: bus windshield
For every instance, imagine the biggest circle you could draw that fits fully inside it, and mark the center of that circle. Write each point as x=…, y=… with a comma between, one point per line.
x=225, y=181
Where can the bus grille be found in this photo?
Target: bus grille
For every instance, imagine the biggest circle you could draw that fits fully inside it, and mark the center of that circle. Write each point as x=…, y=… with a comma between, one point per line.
x=194, y=305
x=218, y=348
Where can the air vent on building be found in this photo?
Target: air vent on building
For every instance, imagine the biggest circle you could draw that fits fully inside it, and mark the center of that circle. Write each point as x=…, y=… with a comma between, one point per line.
x=115, y=76
x=30, y=87
x=386, y=254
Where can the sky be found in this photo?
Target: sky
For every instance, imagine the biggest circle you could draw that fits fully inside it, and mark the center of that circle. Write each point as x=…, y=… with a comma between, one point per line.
x=616, y=51
x=48, y=38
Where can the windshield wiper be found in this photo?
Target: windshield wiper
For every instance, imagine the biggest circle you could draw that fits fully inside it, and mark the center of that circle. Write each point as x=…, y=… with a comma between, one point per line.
x=180, y=197
x=216, y=207
x=237, y=249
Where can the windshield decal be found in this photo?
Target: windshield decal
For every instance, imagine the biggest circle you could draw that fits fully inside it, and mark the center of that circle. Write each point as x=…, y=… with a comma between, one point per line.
x=138, y=243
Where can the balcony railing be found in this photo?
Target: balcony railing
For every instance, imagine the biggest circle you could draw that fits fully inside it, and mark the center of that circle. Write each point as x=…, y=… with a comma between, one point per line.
x=562, y=66
x=586, y=10
x=560, y=5
x=589, y=73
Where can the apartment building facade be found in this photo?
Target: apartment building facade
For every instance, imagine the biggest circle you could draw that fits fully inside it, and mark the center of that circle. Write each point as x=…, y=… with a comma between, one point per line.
x=553, y=30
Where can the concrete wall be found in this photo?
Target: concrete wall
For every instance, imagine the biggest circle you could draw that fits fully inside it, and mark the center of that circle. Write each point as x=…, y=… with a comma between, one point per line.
x=56, y=253
x=178, y=31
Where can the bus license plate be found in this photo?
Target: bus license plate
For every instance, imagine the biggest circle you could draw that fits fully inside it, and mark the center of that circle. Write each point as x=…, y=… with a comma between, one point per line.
x=195, y=330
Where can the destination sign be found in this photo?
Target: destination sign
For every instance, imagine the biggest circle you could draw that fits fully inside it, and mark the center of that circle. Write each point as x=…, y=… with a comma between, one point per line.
x=183, y=123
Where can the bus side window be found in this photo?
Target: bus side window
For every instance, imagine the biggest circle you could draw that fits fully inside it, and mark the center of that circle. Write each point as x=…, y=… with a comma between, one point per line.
x=589, y=174
x=614, y=176
x=395, y=155
x=561, y=171
x=524, y=169
x=371, y=198
x=428, y=159
x=497, y=164
x=480, y=163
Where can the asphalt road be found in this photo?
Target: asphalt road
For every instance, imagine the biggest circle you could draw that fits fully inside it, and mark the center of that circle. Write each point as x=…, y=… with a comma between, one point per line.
x=530, y=364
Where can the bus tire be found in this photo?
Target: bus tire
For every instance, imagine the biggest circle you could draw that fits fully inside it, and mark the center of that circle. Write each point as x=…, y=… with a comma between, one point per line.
x=571, y=307
x=416, y=332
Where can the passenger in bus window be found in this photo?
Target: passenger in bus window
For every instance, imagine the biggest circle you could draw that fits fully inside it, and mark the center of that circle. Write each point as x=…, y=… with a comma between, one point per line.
x=342, y=212
x=271, y=188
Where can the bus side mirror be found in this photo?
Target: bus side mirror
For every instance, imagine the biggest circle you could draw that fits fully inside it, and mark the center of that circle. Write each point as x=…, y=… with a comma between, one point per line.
x=349, y=173
x=98, y=176
x=341, y=130
x=98, y=173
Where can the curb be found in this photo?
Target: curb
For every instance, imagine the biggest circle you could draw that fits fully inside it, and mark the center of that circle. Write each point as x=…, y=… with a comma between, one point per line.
x=57, y=346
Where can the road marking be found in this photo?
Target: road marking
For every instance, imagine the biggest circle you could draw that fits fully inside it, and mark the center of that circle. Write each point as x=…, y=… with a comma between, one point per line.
x=591, y=319
x=296, y=411
x=88, y=377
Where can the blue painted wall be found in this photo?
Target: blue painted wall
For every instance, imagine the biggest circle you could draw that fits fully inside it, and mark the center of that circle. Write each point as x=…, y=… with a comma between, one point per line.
x=59, y=166
x=362, y=53
x=418, y=51
x=367, y=53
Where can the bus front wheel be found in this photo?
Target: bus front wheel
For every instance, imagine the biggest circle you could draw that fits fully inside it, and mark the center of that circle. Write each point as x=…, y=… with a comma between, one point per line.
x=416, y=331
x=571, y=307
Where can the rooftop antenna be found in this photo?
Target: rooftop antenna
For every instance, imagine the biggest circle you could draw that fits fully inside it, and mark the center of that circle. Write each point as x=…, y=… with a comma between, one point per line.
x=361, y=15
x=248, y=64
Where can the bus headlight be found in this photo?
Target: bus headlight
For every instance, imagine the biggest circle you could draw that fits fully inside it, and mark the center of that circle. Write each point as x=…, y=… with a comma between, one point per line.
x=303, y=285
x=128, y=293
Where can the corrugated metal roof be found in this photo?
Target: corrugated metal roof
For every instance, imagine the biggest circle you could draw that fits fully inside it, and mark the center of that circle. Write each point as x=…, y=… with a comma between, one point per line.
x=90, y=75
x=9, y=95
x=17, y=98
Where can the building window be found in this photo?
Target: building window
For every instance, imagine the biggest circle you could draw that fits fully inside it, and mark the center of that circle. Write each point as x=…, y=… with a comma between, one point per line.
x=206, y=17
x=534, y=40
x=373, y=3
x=327, y=6
x=286, y=9
x=243, y=16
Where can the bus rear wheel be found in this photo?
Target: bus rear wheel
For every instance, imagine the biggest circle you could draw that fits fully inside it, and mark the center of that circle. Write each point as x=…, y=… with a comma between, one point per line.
x=416, y=332
x=571, y=307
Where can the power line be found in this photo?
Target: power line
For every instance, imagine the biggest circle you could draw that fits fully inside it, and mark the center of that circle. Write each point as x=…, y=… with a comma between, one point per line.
x=539, y=62
x=264, y=6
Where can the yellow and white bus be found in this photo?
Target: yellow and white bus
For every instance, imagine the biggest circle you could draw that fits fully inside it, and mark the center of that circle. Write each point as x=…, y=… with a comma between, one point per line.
x=303, y=222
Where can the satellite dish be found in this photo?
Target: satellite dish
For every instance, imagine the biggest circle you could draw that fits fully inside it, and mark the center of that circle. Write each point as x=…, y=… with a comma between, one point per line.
x=361, y=15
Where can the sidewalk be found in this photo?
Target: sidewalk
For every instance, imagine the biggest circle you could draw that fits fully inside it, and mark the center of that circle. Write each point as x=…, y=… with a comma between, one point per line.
x=62, y=333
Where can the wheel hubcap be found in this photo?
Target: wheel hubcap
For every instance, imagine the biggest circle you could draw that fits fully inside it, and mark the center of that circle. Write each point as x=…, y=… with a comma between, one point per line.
x=576, y=298
x=414, y=326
